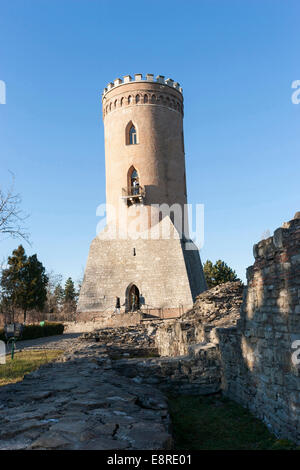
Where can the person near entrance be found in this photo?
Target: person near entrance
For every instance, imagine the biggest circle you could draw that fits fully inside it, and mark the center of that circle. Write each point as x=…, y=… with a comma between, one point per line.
x=135, y=186
x=118, y=305
x=134, y=301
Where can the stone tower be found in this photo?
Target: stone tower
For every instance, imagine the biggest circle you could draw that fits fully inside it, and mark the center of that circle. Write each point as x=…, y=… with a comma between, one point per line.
x=141, y=256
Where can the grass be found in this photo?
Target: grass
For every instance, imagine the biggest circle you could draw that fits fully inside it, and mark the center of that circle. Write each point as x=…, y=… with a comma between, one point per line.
x=23, y=363
x=216, y=423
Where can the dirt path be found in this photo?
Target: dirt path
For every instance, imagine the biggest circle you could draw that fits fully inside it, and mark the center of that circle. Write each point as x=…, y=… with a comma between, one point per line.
x=61, y=342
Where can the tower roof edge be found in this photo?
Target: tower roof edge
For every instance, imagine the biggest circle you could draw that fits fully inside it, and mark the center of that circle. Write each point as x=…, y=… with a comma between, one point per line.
x=138, y=78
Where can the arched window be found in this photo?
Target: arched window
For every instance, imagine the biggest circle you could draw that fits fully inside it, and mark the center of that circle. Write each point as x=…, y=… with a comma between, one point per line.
x=135, y=192
x=122, y=101
x=129, y=99
x=153, y=99
x=134, y=182
x=137, y=98
x=132, y=136
x=145, y=98
x=115, y=103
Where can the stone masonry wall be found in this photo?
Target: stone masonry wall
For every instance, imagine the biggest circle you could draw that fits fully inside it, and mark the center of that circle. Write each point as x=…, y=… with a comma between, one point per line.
x=197, y=373
x=219, y=306
x=257, y=365
x=160, y=268
x=234, y=340
x=134, y=354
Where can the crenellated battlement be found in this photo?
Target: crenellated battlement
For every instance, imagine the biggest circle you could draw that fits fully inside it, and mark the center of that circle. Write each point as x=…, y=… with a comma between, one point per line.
x=138, y=77
x=271, y=246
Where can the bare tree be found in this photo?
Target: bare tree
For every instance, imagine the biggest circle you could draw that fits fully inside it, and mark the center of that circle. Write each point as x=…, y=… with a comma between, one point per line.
x=266, y=234
x=11, y=215
x=79, y=281
x=53, y=304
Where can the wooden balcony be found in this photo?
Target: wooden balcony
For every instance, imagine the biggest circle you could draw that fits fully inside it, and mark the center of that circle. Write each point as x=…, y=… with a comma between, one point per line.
x=135, y=195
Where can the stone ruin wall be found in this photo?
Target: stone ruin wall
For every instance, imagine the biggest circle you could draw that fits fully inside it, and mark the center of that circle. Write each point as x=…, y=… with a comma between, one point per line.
x=235, y=340
x=189, y=359
x=135, y=355
x=219, y=306
x=252, y=354
x=257, y=365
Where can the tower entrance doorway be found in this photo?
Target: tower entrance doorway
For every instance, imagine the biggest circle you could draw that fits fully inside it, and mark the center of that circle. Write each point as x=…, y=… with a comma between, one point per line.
x=133, y=298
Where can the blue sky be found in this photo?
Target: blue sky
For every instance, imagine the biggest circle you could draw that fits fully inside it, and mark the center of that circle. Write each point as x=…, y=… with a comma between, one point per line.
x=235, y=60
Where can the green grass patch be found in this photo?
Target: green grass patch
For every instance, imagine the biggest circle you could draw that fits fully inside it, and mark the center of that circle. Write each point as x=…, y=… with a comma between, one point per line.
x=216, y=423
x=23, y=363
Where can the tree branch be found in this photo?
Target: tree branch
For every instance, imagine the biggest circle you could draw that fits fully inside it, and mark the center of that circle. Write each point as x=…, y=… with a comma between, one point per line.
x=12, y=217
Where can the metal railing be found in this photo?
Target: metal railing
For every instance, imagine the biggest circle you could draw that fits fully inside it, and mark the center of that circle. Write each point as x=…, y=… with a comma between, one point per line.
x=133, y=191
x=161, y=311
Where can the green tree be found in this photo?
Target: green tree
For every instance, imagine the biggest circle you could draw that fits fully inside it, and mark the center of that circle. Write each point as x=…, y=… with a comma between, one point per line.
x=24, y=282
x=218, y=273
x=70, y=296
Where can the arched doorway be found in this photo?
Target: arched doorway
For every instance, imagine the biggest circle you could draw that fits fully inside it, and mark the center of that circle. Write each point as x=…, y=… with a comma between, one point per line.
x=133, y=298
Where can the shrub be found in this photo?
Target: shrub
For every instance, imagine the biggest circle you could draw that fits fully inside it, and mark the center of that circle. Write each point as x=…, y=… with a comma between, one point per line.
x=38, y=331
x=218, y=273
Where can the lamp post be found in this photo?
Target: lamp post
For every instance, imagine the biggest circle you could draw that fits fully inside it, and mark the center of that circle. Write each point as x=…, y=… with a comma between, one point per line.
x=12, y=332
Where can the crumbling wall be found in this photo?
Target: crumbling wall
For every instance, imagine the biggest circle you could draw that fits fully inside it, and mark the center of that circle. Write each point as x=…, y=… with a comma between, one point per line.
x=245, y=351
x=219, y=306
x=108, y=320
x=198, y=373
x=134, y=354
x=257, y=365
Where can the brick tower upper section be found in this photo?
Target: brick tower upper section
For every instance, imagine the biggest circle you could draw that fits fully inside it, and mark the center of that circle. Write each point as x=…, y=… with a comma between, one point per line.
x=126, y=92
x=154, y=109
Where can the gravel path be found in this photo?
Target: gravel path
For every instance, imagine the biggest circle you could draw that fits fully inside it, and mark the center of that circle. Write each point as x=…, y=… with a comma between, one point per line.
x=61, y=342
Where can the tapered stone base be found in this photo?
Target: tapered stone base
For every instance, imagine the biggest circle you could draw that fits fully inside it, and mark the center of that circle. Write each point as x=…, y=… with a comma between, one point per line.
x=167, y=275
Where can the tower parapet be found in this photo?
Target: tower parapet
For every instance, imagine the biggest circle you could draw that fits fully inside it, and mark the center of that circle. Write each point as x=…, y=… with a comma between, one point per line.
x=138, y=77
x=142, y=91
